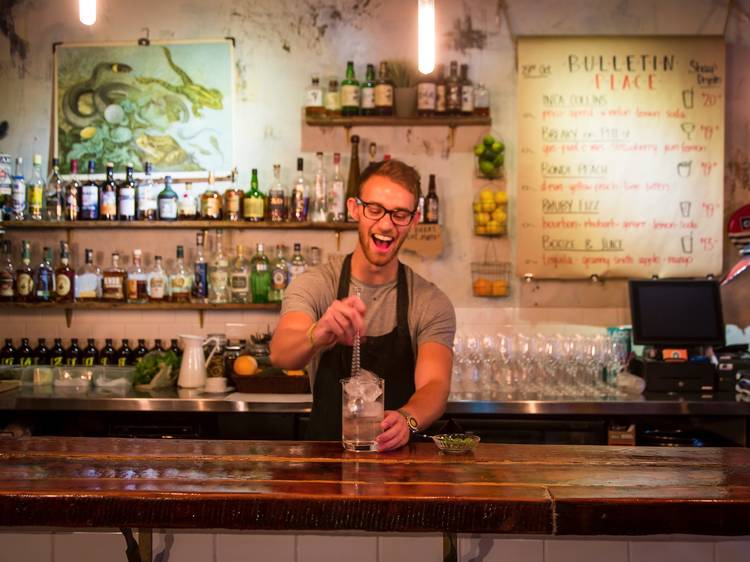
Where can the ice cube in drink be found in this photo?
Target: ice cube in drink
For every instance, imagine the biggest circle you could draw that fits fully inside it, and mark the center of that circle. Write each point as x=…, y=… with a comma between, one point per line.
x=361, y=413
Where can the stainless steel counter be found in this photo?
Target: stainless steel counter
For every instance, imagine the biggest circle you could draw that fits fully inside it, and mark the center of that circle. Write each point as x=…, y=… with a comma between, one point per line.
x=173, y=400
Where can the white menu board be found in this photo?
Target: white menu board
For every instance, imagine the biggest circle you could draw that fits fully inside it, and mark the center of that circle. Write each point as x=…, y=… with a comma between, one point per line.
x=620, y=156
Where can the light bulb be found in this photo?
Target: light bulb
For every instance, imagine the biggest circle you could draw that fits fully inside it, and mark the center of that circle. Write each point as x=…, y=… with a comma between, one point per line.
x=87, y=11
x=426, y=19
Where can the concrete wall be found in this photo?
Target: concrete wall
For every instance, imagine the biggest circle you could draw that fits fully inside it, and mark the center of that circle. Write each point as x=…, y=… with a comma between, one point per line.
x=280, y=43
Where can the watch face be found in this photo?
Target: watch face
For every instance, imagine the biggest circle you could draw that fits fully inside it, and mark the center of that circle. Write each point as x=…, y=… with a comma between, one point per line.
x=412, y=423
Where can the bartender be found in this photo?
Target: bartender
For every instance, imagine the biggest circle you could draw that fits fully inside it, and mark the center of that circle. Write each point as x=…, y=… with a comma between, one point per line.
x=407, y=323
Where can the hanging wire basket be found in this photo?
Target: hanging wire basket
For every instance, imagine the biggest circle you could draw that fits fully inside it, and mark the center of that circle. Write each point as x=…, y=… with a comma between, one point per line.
x=490, y=278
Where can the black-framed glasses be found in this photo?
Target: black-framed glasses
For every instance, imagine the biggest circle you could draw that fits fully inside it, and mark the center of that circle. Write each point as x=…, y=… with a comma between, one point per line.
x=375, y=212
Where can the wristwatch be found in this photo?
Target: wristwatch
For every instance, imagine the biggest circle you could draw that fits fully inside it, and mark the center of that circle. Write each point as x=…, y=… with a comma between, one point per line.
x=411, y=421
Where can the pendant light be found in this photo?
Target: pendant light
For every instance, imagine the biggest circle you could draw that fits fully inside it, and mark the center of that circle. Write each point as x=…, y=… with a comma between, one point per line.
x=87, y=11
x=426, y=22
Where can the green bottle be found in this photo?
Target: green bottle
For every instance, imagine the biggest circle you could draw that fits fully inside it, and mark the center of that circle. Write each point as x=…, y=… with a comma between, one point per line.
x=350, y=92
x=260, y=276
x=368, y=92
x=253, y=205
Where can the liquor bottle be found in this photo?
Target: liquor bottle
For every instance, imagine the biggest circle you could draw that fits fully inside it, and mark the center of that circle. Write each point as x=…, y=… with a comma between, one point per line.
x=73, y=354
x=55, y=194
x=186, y=207
x=157, y=282
x=6, y=183
x=8, y=353
x=44, y=278
x=157, y=345
x=260, y=276
x=372, y=152
x=41, y=353
x=113, y=281
x=349, y=92
x=124, y=355
x=18, y=193
x=25, y=275
x=167, y=201
x=200, y=270
x=126, y=196
x=431, y=203
x=108, y=355
x=137, y=282
x=352, y=184
x=383, y=91
x=367, y=106
x=314, y=98
x=211, y=201
x=467, y=92
x=108, y=201
x=65, y=277
x=174, y=348
x=481, y=101
x=89, y=356
x=336, y=204
x=57, y=353
x=426, y=94
x=319, y=193
x=233, y=203
x=147, y=206
x=420, y=203
x=277, y=209
x=90, y=196
x=300, y=195
x=180, y=279
x=218, y=274
x=279, y=276
x=24, y=354
x=333, y=99
x=453, y=91
x=140, y=351
x=298, y=264
x=239, y=278
x=72, y=194
x=88, y=283
x=253, y=204
x=440, y=90
x=7, y=273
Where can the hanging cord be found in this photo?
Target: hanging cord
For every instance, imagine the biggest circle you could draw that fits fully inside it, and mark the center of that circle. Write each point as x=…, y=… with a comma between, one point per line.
x=503, y=11
x=730, y=6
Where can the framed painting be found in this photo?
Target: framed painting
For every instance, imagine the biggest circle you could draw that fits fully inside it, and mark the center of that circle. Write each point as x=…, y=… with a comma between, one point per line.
x=166, y=103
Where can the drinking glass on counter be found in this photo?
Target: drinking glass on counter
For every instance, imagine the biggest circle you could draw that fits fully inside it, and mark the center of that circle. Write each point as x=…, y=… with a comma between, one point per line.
x=362, y=411
x=533, y=366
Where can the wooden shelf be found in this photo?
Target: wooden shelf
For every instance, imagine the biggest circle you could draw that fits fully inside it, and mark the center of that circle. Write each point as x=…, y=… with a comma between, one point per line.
x=393, y=121
x=98, y=305
x=175, y=225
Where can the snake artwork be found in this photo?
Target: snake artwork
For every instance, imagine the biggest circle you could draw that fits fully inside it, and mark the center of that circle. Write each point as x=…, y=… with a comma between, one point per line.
x=85, y=102
x=200, y=97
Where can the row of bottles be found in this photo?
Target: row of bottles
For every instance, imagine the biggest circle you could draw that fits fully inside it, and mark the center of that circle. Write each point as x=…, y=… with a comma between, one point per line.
x=219, y=279
x=73, y=356
x=437, y=94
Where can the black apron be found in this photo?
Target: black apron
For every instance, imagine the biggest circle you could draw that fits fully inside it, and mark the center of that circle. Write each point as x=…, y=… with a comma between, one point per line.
x=389, y=356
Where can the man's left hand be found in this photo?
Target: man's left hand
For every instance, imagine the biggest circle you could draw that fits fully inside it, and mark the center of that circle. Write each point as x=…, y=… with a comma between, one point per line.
x=395, y=432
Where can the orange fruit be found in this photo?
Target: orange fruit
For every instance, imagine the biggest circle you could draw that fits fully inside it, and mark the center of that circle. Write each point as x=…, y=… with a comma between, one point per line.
x=245, y=365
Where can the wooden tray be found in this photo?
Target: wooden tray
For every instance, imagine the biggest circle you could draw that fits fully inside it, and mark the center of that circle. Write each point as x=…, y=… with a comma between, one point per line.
x=272, y=384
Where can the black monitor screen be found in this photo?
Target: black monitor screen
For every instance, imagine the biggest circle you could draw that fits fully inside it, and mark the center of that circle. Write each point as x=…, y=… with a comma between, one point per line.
x=678, y=313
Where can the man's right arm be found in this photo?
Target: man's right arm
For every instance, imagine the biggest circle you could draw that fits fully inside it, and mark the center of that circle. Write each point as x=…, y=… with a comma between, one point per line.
x=297, y=338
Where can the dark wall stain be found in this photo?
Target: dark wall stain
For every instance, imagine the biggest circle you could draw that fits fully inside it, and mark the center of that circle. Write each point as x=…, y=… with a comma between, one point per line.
x=19, y=47
x=463, y=36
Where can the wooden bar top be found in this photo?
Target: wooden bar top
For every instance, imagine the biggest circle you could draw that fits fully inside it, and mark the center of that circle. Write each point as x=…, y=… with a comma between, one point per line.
x=538, y=489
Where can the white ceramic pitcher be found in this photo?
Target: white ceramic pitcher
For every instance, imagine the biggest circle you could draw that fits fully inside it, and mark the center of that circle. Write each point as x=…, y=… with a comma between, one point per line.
x=193, y=367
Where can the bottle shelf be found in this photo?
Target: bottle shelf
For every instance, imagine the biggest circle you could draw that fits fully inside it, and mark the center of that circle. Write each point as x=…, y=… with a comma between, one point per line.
x=394, y=121
x=174, y=225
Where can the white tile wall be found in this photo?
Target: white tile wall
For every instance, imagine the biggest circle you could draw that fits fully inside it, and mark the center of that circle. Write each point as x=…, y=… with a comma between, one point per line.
x=732, y=551
x=26, y=546
x=337, y=547
x=585, y=550
x=243, y=547
x=185, y=546
x=400, y=547
x=87, y=547
x=660, y=551
x=488, y=548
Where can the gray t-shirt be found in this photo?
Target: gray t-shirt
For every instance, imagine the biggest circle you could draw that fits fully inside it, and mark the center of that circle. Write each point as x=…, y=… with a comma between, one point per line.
x=431, y=314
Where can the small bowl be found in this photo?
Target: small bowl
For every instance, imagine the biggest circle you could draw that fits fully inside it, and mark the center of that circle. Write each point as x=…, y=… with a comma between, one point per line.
x=456, y=442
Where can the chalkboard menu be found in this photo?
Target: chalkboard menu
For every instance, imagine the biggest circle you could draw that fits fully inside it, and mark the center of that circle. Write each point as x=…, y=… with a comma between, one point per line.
x=620, y=156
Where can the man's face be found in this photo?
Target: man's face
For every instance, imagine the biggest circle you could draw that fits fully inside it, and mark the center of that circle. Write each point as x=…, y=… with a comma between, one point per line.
x=381, y=239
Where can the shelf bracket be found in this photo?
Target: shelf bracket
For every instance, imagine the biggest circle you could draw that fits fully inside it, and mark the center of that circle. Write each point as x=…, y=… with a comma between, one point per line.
x=348, y=129
x=338, y=241
x=450, y=141
x=200, y=318
x=68, y=317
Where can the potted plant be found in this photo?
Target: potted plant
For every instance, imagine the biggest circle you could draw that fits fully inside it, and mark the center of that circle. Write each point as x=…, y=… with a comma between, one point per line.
x=404, y=78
